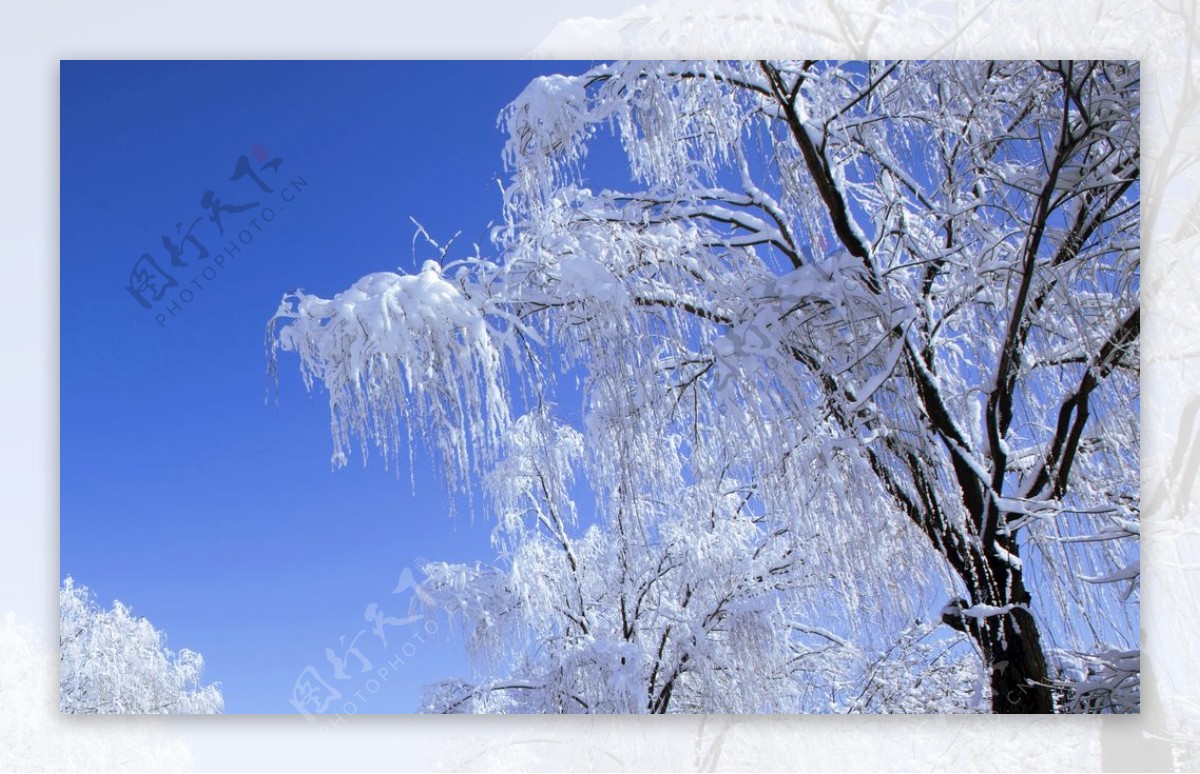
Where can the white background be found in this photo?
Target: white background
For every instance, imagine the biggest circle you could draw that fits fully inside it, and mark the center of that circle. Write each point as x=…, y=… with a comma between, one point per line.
x=35, y=36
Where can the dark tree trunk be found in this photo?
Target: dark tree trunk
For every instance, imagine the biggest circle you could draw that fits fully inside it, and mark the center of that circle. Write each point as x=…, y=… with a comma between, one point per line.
x=1020, y=682
x=1012, y=646
x=1011, y=642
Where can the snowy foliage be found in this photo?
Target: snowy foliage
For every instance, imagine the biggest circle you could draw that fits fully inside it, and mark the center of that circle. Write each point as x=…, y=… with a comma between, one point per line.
x=112, y=662
x=394, y=351
x=855, y=339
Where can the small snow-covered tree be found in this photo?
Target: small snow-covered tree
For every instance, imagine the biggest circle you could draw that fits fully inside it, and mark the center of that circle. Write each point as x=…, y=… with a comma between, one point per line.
x=112, y=662
x=852, y=335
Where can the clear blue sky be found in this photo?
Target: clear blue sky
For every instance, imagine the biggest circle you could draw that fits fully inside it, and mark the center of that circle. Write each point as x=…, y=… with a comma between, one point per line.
x=183, y=493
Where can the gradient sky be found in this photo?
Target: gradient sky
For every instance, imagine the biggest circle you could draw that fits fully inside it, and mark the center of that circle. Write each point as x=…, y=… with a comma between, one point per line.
x=185, y=493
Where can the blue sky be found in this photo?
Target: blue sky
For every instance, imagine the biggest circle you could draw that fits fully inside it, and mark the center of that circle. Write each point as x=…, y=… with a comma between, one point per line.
x=184, y=492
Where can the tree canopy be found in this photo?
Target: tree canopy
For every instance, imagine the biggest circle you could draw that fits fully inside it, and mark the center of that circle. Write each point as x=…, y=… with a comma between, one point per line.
x=112, y=662
x=857, y=345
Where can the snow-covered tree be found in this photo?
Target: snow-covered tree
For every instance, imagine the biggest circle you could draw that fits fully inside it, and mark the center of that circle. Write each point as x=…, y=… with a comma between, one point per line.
x=112, y=662
x=854, y=339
